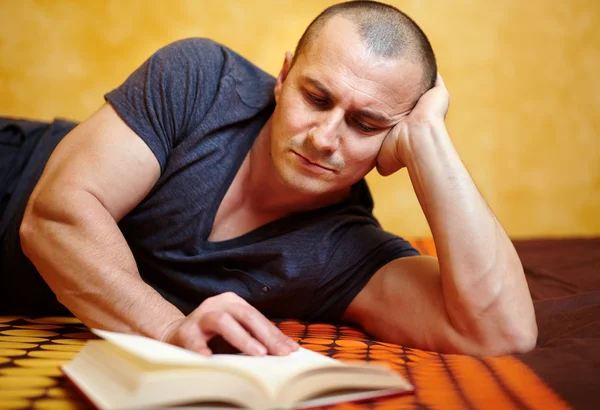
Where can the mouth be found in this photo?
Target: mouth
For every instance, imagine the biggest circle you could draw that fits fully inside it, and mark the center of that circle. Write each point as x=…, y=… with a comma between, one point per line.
x=312, y=165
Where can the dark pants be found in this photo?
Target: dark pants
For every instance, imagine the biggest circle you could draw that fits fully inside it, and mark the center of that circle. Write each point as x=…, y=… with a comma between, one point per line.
x=25, y=147
x=18, y=138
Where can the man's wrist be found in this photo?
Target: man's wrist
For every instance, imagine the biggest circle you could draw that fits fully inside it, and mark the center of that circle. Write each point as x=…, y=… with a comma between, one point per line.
x=166, y=333
x=424, y=138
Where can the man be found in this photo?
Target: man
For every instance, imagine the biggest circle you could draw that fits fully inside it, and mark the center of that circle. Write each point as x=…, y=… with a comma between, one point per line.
x=191, y=206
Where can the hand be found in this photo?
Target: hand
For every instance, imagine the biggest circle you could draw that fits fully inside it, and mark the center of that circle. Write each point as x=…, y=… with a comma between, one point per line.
x=239, y=323
x=430, y=109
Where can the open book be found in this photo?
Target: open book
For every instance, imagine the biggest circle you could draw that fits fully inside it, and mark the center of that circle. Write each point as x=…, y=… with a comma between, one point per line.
x=126, y=371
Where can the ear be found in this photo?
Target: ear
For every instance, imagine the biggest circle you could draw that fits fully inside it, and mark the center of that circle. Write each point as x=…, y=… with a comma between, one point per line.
x=285, y=70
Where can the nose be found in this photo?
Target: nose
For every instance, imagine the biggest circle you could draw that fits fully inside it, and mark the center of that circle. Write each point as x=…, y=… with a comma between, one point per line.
x=325, y=136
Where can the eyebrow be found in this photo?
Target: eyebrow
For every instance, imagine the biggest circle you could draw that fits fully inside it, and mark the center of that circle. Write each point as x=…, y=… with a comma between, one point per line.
x=380, y=118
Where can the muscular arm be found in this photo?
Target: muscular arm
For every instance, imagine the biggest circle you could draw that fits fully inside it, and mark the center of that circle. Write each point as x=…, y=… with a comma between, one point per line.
x=475, y=298
x=96, y=175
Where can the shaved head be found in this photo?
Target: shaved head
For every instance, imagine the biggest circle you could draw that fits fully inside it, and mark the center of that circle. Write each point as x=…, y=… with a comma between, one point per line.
x=386, y=31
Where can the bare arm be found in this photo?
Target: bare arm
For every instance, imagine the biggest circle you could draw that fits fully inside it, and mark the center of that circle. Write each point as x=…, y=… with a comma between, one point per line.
x=96, y=175
x=476, y=299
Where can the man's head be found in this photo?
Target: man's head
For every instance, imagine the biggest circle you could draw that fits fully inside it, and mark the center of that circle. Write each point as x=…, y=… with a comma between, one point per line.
x=386, y=31
x=358, y=70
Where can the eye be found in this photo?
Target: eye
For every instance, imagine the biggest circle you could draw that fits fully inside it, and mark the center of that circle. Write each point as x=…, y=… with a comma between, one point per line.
x=320, y=102
x=364, y=127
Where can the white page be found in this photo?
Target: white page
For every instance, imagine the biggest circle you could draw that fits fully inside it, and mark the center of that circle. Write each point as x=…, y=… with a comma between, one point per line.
x=273, y=371
x=152, y=351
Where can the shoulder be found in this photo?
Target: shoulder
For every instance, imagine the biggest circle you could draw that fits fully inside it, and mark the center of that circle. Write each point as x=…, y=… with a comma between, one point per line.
x=193, y=48
x=253, y=85
x=194, y=55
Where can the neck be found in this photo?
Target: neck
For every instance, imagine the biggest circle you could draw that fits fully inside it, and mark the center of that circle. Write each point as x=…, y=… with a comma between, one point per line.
x=267, y=192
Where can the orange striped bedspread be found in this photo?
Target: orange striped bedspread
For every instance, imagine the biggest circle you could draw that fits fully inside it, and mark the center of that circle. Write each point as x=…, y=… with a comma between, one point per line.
x=561, y=373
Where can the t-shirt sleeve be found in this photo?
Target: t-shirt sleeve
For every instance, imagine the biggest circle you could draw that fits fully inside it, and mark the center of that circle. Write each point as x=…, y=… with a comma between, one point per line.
x=169, y=93
x=353, y=259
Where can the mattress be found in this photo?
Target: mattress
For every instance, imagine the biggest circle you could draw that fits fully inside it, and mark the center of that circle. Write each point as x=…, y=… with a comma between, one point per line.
x=560, y=373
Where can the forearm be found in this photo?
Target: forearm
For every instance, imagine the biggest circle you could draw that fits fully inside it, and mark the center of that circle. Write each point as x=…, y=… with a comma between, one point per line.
x=484, y=288
x=79, y=250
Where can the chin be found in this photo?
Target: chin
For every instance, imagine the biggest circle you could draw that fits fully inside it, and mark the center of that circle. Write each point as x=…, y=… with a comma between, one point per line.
x=306, y=185
x=304, y=182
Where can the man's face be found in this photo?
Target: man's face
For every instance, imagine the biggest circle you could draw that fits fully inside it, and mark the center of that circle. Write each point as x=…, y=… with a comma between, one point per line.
x=334, y=109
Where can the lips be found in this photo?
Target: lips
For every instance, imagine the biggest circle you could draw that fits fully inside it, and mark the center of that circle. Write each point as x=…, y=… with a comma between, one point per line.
x=316, y=164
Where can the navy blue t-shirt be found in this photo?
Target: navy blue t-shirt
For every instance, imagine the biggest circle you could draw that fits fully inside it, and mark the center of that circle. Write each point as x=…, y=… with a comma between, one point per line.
x=199, y=107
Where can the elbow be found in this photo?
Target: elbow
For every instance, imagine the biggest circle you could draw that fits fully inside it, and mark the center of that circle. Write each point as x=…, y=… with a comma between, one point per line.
x=27, y=231
x=38, y=238
x=525, y=341
x=33, y=228
x=498, y=336
x=515, y=341
x=506, y=326
x=516, y=345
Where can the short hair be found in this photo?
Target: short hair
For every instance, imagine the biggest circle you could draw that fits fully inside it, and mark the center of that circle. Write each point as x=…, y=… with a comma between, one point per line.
x=387, y=32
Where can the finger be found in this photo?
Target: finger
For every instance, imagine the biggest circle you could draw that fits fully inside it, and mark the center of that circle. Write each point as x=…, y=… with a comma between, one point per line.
x=387, y=163
x=222, y=323
x=198, y=345
x=204, y=351
x=247, y=314
x=189, y=336
x=266, y=332
x=439, y=81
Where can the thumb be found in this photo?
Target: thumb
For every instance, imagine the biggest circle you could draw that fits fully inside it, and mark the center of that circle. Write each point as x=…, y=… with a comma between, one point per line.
x=195, y=343
x=388, y=161
x=188, y=335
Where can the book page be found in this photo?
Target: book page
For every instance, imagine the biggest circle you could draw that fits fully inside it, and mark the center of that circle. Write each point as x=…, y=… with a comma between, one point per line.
x=271, y=371
x=275, y=371
x=152, y=351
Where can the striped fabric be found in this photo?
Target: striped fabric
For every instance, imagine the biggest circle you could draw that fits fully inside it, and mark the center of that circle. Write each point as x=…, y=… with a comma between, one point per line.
x=32, y=349
x=442, y=381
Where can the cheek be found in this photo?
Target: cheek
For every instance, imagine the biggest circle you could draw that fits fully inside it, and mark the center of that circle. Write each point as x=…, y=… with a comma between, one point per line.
x=361, y=152
x=289, y=125
x=296, y=118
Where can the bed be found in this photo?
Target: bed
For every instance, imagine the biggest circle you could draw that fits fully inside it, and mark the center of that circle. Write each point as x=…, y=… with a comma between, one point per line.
x=562, y=372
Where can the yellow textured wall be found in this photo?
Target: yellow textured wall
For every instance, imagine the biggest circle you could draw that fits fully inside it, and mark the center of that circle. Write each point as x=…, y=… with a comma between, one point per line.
x=524, y=78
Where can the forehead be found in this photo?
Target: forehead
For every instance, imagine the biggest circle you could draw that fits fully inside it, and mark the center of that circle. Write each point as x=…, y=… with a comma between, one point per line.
x=339, y=59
